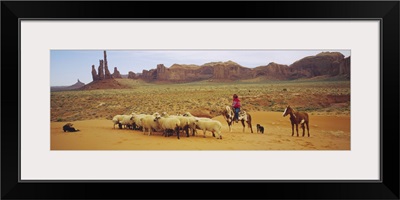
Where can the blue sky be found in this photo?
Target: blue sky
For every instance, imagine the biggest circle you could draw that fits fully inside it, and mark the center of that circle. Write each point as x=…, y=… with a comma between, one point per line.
x=66, y=66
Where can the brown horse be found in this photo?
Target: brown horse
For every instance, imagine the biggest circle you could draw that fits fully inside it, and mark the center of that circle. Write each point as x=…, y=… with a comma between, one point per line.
x=297, y=118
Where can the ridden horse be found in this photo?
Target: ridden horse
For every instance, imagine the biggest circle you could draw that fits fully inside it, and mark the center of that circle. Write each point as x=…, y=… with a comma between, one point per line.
x=228, y=115
x=297, y=118
x=244, y=116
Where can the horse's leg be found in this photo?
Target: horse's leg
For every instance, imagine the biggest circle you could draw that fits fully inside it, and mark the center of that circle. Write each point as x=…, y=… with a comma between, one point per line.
x=308, y=129
x=292, y=129
x=297, y=129
x=243, y=124
x=230, y=126
x=302, y=126
x=249, y=122
x=204, y=132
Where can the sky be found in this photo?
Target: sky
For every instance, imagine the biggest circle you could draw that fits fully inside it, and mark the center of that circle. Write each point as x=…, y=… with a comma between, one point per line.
x=67, y=66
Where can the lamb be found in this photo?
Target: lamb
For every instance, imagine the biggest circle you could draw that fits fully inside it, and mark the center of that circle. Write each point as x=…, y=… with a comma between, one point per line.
x=213, y=126
x=168, y=123
x=149, y=122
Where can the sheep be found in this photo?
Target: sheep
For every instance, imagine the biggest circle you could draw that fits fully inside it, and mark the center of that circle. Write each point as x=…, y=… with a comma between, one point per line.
x=168, y=123
x=116, y=120
x=127, y=121
x=189, y=122
x=185, y=122
x=137, y=121
x=149, y=122
x=192, y=119
x=213, y=126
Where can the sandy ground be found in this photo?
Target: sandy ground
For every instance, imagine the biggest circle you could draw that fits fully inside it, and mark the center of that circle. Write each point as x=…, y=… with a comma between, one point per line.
x=327, y=133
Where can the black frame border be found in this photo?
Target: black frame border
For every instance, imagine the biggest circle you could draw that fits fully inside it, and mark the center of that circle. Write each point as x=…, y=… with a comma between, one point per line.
x=386, y=11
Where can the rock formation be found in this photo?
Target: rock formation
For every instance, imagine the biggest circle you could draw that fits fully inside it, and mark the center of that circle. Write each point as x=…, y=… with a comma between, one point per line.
x=116, y=73
x=272, y=71
x=131, y=75
x=77, y=85
x=325, y=64
x=101, y=70
x=344, y=67
x=94, y=74
x=107, y=74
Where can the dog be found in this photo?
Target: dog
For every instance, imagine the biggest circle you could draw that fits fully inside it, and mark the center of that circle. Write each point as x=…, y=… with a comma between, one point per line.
x=68, y=128
x=260, y=128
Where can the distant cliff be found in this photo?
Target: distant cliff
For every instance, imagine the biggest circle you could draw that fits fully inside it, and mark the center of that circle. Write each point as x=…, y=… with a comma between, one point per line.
x=77, y=85
x=327, y=64
x=323, y=64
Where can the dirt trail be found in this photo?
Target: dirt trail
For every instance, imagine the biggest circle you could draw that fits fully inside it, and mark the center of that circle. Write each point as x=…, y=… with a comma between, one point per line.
x=327, y=133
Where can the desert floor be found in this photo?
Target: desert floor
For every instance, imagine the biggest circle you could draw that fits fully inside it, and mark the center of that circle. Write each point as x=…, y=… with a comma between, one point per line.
x=327, y=133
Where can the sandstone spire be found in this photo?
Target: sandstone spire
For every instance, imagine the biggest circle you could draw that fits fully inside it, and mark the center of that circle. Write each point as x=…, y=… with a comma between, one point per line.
x=107, y=74
x=94, y=74
x=116, y=73
x=101, y=71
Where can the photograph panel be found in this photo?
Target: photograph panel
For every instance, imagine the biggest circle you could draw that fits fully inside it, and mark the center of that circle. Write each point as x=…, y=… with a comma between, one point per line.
x=185, y=99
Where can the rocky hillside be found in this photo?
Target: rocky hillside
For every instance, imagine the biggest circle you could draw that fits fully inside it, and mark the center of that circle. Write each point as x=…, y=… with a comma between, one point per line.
x=104, y=84
x=330, y=64
x=324, y=64
x=75, y=86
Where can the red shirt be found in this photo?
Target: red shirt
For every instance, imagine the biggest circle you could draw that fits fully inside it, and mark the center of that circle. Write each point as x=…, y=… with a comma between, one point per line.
x=236, y=103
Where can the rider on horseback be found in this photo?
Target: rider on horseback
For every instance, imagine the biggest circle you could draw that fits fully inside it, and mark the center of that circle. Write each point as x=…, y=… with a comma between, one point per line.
x=236, y=107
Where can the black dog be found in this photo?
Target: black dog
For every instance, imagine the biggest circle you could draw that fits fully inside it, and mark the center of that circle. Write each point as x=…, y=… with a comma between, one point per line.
x=68, y=128
x=260, y=128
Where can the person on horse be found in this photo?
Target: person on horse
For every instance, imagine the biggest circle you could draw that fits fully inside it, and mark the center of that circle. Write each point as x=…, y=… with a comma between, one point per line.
x=236, y=107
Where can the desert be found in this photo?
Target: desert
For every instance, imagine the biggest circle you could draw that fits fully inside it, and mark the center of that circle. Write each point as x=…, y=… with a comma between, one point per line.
x=327, y=102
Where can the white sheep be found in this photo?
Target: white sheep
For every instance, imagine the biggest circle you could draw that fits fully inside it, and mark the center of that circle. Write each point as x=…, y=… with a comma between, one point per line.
x=185, y=122
x=214, y=126
x=149, y=122
x=127, y=121
x=168, y=123
x=192, y=119
x=116, y=120
x=137, y=120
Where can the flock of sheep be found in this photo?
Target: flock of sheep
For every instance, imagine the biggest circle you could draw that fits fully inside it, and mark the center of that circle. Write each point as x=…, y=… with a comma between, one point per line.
x=168, y=124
